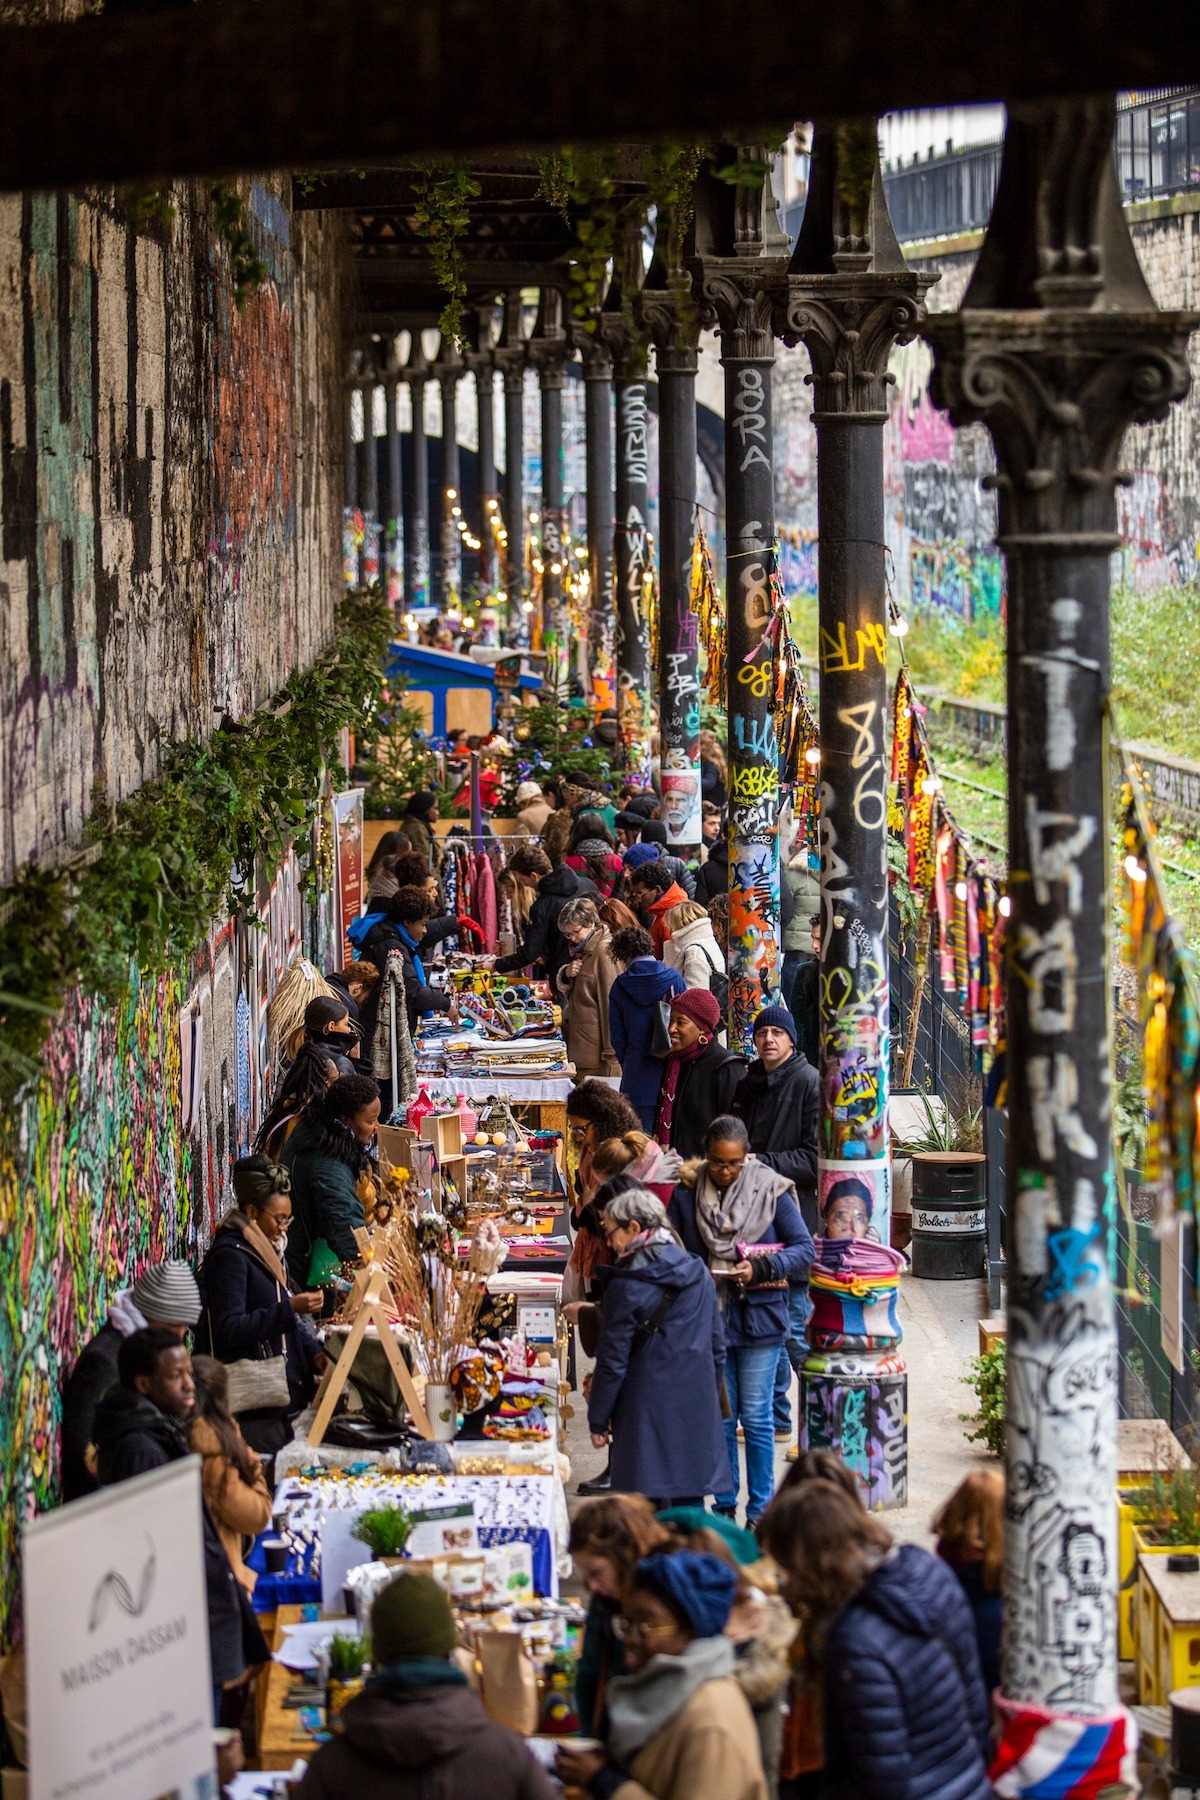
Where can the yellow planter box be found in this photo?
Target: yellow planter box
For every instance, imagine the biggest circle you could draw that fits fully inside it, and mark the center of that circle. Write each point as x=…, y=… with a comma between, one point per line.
x=1128, y=1497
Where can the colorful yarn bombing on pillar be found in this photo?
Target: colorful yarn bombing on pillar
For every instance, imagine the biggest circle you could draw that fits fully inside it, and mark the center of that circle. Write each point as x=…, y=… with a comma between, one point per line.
x=1055, y=1756
x=854, y=1286
x=705, y=602
x=947, y=877
x=1168, y=1004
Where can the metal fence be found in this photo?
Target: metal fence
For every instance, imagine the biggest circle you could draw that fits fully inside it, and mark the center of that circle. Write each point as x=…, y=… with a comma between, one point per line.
x=1157, y=149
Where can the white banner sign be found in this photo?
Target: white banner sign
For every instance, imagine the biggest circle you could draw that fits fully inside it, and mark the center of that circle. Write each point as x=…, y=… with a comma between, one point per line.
x=116, y=1640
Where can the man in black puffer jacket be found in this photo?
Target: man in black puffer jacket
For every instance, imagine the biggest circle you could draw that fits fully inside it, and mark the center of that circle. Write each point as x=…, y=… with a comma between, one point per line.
x=778, y=1101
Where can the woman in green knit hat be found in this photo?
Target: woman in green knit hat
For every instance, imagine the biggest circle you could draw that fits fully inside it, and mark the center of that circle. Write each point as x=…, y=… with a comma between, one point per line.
x=417, y=1731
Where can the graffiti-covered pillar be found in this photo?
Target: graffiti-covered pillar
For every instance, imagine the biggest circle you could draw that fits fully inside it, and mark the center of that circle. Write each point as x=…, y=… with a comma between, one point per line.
x=480, y=363
x=351, y=570
x=449, y=372
x=1058, y=348
x=738, y=288
x=369, y=479
x=598, y=409
x=622, y=333
x=675, y=329
x=549, y=349
x=851, y=298
x=511, y=361
x=416, y=531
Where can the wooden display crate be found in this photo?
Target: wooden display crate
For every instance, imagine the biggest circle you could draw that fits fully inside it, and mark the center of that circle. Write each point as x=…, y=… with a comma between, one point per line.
x=444, y=1132
x=1168, y=1646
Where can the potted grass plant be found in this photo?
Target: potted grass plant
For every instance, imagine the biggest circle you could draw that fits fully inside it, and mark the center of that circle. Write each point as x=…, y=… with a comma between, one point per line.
x=385, y=1530
x=347, y=1663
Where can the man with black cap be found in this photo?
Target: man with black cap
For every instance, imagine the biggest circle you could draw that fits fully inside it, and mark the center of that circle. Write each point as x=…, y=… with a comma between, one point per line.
x=417, y=1729
x=165, y=1294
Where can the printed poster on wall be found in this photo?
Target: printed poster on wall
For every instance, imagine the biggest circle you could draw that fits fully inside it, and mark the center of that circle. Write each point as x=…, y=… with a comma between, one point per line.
x=348, y=864
x=116, y=1644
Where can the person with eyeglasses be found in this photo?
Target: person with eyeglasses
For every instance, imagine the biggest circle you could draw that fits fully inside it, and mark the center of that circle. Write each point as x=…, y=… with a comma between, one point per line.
x=679, y=1726
x=660, y=1338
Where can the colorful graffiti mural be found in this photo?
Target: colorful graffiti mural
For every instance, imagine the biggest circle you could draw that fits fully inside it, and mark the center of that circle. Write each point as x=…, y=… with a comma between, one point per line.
x=98, y=1185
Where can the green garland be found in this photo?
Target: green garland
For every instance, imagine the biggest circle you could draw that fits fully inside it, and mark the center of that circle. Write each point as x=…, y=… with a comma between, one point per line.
x=155, y=871
x=442, y=216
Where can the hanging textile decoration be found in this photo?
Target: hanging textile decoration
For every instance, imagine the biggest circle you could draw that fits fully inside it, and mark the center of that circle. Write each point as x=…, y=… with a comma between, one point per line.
x=1169, y=1005
x=705, y=602
x=650, y=603
x=796, y=730
x=946, y=877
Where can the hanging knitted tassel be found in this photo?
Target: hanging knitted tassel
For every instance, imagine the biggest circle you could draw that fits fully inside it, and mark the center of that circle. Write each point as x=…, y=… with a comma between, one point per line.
x=943, y=899
x=705, y=602
x=962, y=870
x=650, y=607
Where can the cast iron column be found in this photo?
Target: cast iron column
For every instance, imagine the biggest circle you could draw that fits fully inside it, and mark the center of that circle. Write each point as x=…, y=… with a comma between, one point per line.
x=1058, y=348
x=737, y=287
x=350, y=556
x=391, y=548
x=548, y=351
x=449, y=370
x=598, y=403
x=675, y=337
x=481, y=363
x=630, y=561
x=416, y=537
x=370, y=479
x=851, y=299
x=510, y=360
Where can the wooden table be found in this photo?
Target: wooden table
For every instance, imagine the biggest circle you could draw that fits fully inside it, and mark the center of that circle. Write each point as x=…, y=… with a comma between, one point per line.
x=281, y=1736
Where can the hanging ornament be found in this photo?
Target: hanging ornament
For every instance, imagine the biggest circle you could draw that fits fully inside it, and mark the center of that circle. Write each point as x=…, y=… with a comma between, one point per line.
x=705, y=602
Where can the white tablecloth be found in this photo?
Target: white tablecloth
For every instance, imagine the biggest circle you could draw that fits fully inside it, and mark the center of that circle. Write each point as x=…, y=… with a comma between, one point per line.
x=505, y=1087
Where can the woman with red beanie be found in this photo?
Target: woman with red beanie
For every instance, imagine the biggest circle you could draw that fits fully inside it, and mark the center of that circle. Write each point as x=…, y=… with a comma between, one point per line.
x=701, y=1074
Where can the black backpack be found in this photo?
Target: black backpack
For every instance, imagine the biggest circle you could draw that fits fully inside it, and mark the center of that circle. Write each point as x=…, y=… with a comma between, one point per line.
x=718, y=984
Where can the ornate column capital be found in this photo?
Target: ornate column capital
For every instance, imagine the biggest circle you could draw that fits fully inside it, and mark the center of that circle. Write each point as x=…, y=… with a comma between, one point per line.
x=849, y=322
x=672, y=317
x=737, y=295
x=594, y=353
x=511, y=352
x=550, y=348
x=1057, y=391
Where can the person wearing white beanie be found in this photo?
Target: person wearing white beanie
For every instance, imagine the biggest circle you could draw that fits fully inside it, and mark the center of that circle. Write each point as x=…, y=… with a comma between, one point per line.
x=533, y=809
x=163, y=1294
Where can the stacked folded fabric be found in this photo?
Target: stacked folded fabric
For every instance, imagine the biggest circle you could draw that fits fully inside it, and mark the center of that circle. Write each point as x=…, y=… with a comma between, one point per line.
x=854, y=1286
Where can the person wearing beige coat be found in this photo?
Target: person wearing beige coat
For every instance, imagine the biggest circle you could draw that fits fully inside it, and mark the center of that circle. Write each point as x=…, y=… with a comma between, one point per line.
x=680, y=1727
x=583, y=985
x=231, y=1477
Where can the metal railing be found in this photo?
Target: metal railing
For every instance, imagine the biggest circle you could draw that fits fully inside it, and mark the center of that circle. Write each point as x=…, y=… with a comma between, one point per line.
x=1157, y=148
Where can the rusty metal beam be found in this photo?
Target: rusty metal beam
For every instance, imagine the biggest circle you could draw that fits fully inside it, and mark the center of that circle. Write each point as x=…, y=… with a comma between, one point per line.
x=262, y=84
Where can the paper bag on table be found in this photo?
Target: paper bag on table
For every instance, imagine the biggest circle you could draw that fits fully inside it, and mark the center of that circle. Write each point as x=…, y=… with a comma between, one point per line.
x=510, y=1689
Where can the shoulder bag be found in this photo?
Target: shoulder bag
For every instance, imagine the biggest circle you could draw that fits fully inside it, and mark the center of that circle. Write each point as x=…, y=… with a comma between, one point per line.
x=257, y=1383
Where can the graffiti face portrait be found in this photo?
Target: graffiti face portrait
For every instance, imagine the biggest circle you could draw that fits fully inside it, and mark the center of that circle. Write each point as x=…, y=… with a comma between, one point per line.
x=848, y=1210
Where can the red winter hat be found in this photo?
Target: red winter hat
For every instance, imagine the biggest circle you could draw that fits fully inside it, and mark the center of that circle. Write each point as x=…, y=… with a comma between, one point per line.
x=700, y=1006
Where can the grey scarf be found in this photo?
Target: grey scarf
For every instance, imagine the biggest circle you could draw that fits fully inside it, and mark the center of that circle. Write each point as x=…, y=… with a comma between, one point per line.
x=742, y=1213
x=640, y=1705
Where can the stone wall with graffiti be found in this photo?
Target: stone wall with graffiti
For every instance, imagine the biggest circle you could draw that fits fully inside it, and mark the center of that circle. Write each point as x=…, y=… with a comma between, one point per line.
x=169, y=487
x=940, y=518
x=170, y=497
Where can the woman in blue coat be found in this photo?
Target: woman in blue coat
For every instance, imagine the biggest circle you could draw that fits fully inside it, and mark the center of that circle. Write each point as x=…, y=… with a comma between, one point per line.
x=744, y=1220
x=890, y=1636
x=633, y=1014
x=660, y=1340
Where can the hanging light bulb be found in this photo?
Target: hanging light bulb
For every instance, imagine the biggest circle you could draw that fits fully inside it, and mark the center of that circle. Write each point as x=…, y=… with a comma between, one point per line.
x=1004, y=906
x=812, y=755
x=502, y=595
x=527, y=606
x=533, y=518
x=556, y=568
x=1134, y=869
x=932, y=784
x=960, y=890
x=452, y=493
x=898, y=626
x=468, y=622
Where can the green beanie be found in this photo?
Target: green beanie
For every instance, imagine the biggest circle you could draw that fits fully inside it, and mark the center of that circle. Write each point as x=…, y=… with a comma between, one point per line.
x=411, y=1617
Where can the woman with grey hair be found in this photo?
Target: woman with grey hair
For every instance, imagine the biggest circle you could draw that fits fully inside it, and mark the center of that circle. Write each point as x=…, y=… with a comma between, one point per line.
x=660, y=1338
x=583, y=985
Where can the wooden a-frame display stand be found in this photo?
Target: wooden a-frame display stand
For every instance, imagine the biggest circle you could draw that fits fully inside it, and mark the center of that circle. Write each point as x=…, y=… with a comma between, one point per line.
x=366, y=1303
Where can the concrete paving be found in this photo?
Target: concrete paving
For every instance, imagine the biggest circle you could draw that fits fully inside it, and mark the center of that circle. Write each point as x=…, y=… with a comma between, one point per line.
x=939, y=1320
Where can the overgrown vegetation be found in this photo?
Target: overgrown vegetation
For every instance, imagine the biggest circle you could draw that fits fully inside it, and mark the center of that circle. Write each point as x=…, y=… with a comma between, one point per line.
x=1169, y=1507
x=986, y=1381
x=157, y=869
x=442, y=215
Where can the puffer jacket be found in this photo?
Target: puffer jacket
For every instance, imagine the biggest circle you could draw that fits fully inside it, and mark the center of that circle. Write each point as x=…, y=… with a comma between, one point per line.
x=906, y=1715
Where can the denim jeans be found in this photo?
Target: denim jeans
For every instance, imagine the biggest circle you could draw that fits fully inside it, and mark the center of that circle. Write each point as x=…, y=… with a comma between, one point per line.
x=749, y=1374
x=791, y=1354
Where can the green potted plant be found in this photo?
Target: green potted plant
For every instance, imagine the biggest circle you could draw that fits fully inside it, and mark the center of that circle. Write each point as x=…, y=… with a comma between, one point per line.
x=986, y=1380
x=347, y=1660
x=385, y=1530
